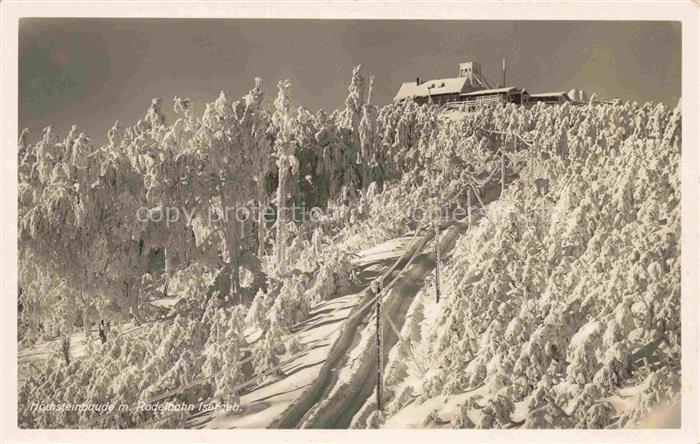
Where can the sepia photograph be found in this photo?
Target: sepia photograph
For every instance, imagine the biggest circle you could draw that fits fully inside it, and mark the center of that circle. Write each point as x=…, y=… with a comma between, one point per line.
x=313, y=223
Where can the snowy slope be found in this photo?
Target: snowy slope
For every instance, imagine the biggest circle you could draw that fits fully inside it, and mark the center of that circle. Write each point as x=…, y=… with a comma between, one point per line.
x=261, y=406
x=264, y=404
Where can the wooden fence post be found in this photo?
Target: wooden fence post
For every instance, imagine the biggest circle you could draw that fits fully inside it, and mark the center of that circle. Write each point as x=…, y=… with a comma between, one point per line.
x=503, y=167
x=378, y=306
x=437, y=260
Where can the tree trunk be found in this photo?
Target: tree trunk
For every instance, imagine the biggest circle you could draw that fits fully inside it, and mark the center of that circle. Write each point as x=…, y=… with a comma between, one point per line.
x=86, y=323
x=103, y=331
x=86, y=309
x=261, y=218
x=564, y=146
x=252, y=264
x=365, y=176
x=234, y=260
x=133, y=305
x=231, y=235
x=281, y=219
x=65, y=349
x=168, y=257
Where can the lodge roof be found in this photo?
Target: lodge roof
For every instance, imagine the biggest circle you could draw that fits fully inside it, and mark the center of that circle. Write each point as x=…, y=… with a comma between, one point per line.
x=481, y=92
x=435, y=87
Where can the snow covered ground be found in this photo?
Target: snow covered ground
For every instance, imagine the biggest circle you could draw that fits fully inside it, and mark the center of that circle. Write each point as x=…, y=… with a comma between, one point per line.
x=413, y=415
x=42, y=351
x=262, y=405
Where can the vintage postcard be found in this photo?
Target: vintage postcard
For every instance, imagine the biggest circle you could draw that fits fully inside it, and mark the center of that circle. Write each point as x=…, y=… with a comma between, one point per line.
x=351, y=222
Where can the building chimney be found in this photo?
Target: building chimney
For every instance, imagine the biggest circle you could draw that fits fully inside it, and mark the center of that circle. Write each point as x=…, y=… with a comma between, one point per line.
x=504, y=72
x=417, y=81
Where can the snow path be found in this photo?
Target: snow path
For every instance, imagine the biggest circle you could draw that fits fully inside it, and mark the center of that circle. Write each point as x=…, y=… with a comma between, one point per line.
x=390, y=249
x=351, y=387
x=264, y=405
x=42, y=351
x=420, y=323
x=382, y=258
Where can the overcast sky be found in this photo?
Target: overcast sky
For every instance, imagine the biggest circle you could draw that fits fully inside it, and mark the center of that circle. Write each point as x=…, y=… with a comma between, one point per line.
x=91, y=72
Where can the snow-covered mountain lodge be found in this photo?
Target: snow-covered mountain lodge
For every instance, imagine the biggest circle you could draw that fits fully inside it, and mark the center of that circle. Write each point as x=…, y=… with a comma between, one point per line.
x=471, y=89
